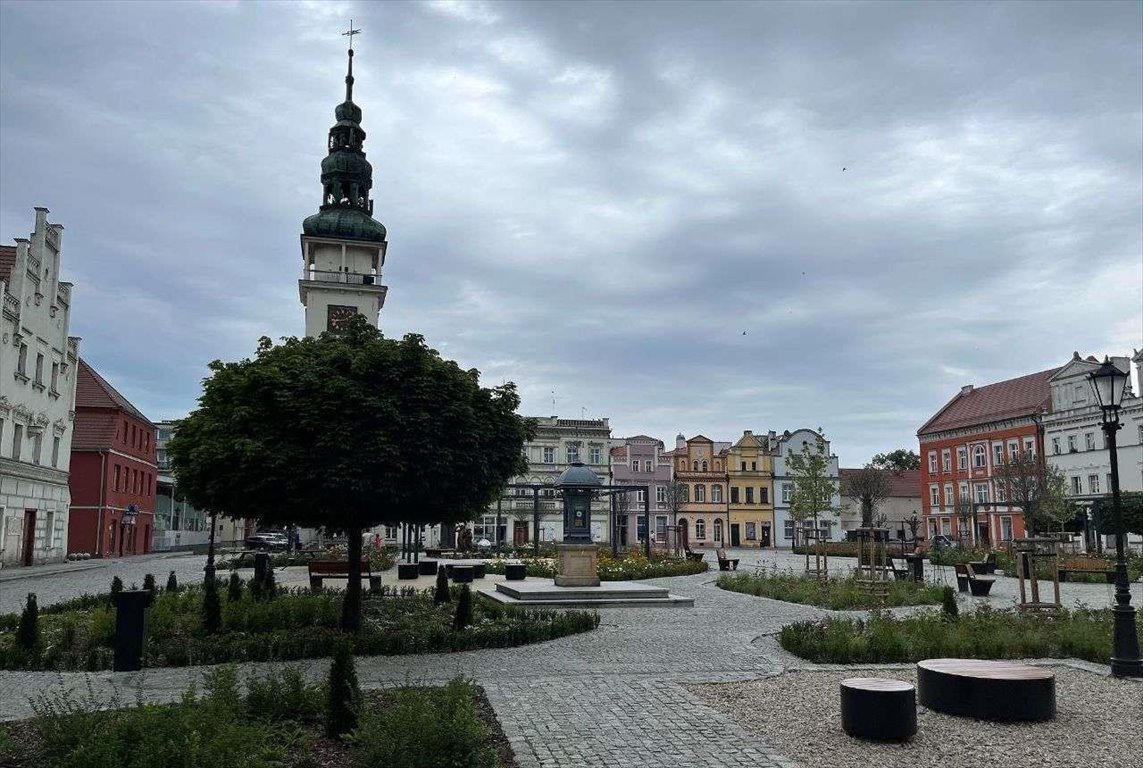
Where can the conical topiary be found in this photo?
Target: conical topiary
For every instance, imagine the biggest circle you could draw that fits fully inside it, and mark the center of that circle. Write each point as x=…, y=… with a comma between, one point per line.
x=463, y=616
x=234, y=588
x=441, y=595
x=28, y=632
x=172, y=583
x=344, y=693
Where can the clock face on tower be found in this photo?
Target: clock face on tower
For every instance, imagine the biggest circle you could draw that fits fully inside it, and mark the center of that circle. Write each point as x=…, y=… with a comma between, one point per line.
x=338, y=317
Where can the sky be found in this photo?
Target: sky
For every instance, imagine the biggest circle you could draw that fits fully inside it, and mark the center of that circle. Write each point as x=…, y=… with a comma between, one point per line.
x=684, y=217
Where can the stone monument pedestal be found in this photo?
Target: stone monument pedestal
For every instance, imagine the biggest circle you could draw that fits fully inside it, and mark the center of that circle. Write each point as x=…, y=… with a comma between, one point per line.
x=579, y=565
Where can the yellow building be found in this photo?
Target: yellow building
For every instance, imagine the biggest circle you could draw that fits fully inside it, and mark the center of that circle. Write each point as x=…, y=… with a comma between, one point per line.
x=750, y=476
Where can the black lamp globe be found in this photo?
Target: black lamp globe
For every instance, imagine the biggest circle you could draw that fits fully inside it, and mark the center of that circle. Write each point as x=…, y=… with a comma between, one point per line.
x=1109, y=384
x=578, y=484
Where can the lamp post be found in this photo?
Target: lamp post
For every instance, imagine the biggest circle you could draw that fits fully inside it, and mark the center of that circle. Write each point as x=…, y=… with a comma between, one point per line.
x=1109, y=384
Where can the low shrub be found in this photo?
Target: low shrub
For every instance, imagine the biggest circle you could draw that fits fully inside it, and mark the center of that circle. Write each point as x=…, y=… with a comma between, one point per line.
x=116, y=588
x=837, y=594
x=948, y=603
x=983, y=634
x=463, y=616
x=425, y=728
x=234, y=588
x=441, y=593
x=344, y=699
x=629, y=567
x=28, y=631
x=172, y=583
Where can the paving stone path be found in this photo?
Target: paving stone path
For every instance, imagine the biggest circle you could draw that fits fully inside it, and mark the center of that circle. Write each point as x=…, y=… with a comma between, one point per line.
x=612, y=697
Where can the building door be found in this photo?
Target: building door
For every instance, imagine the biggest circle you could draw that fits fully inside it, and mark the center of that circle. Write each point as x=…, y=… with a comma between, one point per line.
x=982, y=535
x=29, y=543
x=622, y=525
x=122, y=533
x=520, y=533
x=765, y=540
x=734, y=535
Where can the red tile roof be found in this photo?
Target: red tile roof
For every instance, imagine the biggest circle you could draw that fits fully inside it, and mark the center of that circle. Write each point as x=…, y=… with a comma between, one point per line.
x=1013, y=398
x=7, y=262
x=906, y=484
x=93, y=391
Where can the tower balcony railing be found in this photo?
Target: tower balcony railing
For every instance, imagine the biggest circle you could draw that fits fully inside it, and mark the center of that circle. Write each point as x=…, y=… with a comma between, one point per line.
x=347, y=278
x=11, y=304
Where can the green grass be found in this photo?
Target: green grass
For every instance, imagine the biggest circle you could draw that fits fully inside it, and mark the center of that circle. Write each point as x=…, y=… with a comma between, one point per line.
x=276, y=722
x=983, y=634
x=293, y=625
x=833, y=593
x=630, y=567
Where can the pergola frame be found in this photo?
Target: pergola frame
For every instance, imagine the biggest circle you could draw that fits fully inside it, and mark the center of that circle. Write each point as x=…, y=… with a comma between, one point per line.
x=610, y=491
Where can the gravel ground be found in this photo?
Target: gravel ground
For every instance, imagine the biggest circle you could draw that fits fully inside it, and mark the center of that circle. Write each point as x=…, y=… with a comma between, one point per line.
x=1099, y=722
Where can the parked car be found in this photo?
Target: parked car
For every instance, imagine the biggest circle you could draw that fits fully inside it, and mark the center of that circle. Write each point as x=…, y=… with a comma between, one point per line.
x=941, y=541
x=267, y=540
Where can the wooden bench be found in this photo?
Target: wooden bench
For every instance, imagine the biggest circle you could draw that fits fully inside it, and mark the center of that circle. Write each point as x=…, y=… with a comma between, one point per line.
x=725, y=563
x=900, y=574
x=439, y=552
x=987, y=690
x=338, y=569
x=966, y=576
x=695, y=556
x=1087, y=565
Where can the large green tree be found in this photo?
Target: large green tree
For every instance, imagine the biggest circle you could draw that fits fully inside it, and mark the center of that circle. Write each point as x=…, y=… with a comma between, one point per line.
x=814, y=485
x=1103, y=513
x=897, y=461
x=1039, y=489
x=868, y=487
x=345, y=432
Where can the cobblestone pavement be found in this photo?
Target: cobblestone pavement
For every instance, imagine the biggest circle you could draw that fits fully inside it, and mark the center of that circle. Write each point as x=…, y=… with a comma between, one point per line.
x=612, y=697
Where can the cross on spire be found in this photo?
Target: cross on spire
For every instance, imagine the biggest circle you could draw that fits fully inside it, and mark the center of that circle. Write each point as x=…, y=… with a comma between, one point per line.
x=351, y=33
x=349, y=75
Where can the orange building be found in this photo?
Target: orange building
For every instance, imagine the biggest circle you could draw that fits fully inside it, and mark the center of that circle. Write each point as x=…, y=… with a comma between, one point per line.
x=700, y=467
x=964, y=443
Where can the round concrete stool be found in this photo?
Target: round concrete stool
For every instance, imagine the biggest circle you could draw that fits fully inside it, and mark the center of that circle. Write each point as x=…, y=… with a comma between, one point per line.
x=406, y=571
x=876, y=708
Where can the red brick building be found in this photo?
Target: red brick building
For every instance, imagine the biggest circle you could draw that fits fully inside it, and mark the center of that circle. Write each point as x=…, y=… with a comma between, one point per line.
x=113, y=472
x=963, y=443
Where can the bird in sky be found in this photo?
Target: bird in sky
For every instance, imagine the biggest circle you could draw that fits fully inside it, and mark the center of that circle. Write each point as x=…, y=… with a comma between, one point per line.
x=843, y=168
x=744, y=333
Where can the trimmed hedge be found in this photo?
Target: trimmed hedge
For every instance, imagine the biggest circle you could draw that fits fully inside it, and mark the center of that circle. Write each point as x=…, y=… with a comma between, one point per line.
x=834, y=593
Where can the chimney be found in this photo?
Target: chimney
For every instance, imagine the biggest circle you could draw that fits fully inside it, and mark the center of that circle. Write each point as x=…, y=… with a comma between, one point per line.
x=680, y=441
x=966, y=389
x=747, y=432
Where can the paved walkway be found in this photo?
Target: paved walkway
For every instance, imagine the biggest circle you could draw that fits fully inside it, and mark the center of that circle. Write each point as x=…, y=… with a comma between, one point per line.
x=612, y=697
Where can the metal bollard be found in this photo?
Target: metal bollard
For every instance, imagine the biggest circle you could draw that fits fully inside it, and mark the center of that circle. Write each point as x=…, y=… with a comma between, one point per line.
x=130, y=628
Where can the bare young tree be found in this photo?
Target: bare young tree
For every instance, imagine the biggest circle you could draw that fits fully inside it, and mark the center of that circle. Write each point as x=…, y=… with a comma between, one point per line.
x=814, y=486
x=868, y=487
x=677, y=494
x=1038, y=489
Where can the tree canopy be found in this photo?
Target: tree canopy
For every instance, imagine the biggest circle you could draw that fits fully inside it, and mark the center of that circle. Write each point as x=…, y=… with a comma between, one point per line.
x=897, y=461
x=1104, y=513
x=1039, y=489
x=868, y=487
x=348, y=431
x=814, y=486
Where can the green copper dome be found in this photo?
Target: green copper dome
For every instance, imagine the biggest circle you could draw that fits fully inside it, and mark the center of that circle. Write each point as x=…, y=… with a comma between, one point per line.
x=346, y=211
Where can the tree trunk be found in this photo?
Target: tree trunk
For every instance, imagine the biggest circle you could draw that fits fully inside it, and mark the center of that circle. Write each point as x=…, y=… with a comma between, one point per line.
x=351, y=607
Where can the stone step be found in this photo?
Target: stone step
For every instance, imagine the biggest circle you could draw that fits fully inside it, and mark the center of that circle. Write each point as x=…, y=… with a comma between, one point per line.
x=544, y=592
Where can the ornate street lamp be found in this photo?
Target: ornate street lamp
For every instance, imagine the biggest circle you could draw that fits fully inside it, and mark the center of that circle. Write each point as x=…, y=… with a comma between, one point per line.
x=579, y=557
x=1109, y=384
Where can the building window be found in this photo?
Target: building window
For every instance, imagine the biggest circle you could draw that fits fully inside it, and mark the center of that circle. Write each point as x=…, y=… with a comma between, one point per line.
x=1077, y=489
x=22, y=362
x=749, y=495
x=949, y=495
x=751, y=531
x=997, y=454
x=787, y=489
x=716, y=494
x=1029, y=448
x=978, y=457
x=1071, y=443
x=946, y=526
x=704, y=466
x=981, y=493
x=700, y=530
x=37, y=447
x=695, y=465
x=549, y=455
x=1006, y=529
x=934, y=496
x=1093, y=483
x=743, y=463
x=17, y=440
x=39, y=370
x=55, y=378
x=56, y=452
x=661, y=494
x=640, y=528
x=1089, y=440
x=116, y=486
x=686, y=492
x=1000, y=492
x=641, y=497
x=788, y=529
x=734, y=494
x=718, y=531
x=596, y=454
x=765, y=492
x=647, y=465
x=1056, y=446
x=963, y=490
x=573, y=453
x=962, y=458
x=661, y=527
x=700, y=493
x=753, y=466
x=635, y=465
x=932, y=462
x=946, y=460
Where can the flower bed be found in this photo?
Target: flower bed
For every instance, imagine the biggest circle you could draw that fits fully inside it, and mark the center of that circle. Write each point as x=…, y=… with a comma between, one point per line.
x=834, y=593
x=276, y=723
x=983, y=634
x=630, y=567
x=293, y=625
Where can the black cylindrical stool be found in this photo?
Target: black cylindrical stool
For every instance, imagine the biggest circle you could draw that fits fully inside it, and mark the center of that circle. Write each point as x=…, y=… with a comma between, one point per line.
x=515, y=572
x=478, y=571
x=406, y=571
x=427, y=568
x=461, y=574
x=876, y=708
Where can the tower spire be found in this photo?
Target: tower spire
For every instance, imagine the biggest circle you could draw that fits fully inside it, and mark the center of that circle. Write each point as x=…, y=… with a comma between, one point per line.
x=349, y=75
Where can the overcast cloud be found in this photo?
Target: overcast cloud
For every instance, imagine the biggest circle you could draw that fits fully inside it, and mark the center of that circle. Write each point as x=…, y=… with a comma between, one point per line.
x=599, y=199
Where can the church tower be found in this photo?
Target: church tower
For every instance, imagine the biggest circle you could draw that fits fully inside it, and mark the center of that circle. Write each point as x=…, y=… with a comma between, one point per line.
x=343, y=246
